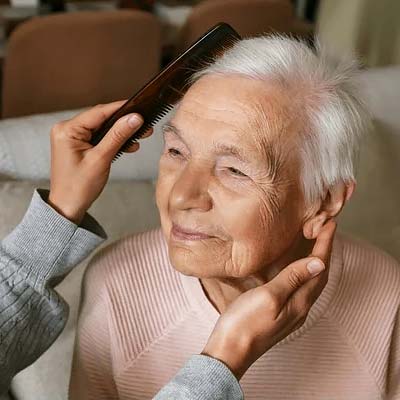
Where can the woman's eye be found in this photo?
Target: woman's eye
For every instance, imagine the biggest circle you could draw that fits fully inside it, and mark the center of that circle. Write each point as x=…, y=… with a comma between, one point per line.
x=236, y=171
x=174, y=152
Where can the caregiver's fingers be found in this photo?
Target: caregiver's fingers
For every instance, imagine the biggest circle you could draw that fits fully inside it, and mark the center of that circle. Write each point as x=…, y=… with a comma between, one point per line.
x=308, y=293
x=93, y=118
x=293, y=277
x=148, y=133
x=117, y=136
x=136, y=145
x=132, y=148
x=298, y=275
x=323, y=245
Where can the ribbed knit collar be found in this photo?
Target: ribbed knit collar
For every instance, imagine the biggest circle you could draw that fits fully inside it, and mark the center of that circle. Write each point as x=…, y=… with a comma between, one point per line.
x=203, y=306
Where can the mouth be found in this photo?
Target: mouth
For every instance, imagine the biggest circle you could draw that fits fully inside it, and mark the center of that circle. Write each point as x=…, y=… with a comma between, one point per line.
x=180, y=233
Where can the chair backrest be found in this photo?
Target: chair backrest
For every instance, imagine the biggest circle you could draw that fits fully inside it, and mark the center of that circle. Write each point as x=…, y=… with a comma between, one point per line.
x=248, y=17
x=79, y=59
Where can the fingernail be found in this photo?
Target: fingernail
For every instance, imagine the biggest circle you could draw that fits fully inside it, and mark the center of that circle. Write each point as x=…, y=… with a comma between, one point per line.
x=315, y=267
x=134, y=121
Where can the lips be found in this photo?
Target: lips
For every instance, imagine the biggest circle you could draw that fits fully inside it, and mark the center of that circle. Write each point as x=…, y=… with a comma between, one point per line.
x=187, y=234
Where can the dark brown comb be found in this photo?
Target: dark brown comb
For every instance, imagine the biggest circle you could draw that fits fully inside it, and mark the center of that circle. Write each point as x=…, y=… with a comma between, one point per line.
x=159, y=96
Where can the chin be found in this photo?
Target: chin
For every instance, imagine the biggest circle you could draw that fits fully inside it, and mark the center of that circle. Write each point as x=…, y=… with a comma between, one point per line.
x=183, y=261
x=187, y=263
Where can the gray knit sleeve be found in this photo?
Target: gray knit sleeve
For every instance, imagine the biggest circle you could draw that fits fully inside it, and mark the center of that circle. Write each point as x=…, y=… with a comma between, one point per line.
x=35, y=257
x=202, y=378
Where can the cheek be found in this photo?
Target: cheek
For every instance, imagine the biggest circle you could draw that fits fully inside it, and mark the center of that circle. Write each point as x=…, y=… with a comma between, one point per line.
x=249, y=232
x=245, y=212
x=282, y=224
x=259, y=235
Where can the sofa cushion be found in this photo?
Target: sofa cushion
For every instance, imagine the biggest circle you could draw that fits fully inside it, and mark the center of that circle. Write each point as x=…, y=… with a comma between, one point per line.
x=25, y=149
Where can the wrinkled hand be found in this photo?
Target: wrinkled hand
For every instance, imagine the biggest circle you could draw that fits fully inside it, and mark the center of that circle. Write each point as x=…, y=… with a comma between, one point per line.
x=263, y=316
x=80, y=171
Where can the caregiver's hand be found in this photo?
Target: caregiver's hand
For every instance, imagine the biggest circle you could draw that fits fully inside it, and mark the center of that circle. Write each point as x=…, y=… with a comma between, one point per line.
x=261, y=317
x=80, y=171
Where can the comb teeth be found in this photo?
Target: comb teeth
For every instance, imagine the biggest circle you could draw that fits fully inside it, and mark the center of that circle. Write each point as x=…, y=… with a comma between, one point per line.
x=161, y=110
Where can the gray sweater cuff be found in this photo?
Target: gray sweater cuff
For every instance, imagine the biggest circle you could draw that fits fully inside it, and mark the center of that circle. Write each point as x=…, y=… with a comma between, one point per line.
x=202, y=378
x=46, y=244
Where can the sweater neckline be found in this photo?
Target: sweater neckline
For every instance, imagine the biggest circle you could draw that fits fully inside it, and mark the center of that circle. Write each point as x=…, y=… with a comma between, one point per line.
x=198, y=298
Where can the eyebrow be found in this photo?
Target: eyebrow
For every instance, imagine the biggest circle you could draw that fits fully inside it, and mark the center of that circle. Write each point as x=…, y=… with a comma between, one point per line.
x=221, y=148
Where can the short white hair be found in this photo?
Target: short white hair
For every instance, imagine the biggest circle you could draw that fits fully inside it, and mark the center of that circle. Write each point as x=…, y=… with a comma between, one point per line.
x=335, y=116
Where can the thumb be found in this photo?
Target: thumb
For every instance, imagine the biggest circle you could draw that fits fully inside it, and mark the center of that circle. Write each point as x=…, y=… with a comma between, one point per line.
x=117, y=136
x=294, y=276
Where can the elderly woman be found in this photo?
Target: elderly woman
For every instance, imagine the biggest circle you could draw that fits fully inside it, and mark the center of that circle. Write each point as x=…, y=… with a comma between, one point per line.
x=258, y=156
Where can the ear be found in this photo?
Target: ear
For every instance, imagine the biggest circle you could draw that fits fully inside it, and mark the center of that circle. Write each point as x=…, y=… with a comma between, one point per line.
x=334, y=201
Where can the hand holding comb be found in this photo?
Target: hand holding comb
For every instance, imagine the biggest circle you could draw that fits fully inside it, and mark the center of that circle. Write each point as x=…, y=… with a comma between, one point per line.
x=158, y=96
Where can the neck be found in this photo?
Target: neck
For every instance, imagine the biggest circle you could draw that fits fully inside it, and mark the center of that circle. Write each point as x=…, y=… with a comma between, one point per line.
x=223, y=291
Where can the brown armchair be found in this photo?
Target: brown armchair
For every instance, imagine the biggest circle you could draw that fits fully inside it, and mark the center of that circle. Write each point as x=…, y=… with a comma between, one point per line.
x=248, y=17
x=73, y=60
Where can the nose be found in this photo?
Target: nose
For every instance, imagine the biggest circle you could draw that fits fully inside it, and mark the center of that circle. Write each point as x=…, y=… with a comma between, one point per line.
x=190, y=191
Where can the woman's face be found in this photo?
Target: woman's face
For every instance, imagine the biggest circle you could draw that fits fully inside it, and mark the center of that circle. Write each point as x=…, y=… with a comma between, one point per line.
x=229, y=169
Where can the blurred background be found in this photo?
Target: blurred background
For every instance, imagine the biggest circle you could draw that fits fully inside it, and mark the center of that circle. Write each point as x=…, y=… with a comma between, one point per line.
x=58, y=57
x=115, y=46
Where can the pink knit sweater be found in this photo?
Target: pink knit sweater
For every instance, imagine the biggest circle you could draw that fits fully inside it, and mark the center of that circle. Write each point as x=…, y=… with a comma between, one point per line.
x=141, y=320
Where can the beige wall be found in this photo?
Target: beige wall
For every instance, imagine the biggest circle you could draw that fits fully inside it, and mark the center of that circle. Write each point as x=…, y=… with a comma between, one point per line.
x=368, y=28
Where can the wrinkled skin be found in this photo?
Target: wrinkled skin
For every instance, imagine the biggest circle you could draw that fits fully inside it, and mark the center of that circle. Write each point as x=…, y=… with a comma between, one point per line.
x=257, y=218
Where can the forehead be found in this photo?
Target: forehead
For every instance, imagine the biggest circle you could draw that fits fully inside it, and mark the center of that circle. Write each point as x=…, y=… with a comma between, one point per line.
x=248, y=111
